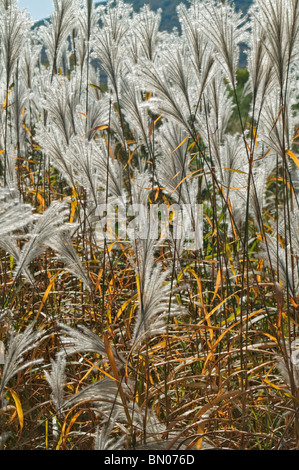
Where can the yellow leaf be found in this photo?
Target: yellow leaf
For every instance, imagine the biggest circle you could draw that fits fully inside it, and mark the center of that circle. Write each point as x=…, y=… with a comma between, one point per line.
x=74, y=204
x=97, y=128
x=151, y=129
x=124, y=306
x=209, y=220
x=293, y=156
x=73, y=420
x=148, y=95
x=27, y=130
x=5, y=103
x=46, y=294
x=233, y=170
x=183, y=141
x=200, y=430
x=218, y=280
x=191, y=147
x=181, y=182
x=274, y=125
x=116, y=376
x=39, y=197
x=219, y=339
x=18, y=407
x=221, y=303
x=254, y=133
x=93, y=366
x=59, y=442
x=206, y=315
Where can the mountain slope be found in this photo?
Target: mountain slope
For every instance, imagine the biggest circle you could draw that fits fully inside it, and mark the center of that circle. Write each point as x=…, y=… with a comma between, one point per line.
x=169, y=15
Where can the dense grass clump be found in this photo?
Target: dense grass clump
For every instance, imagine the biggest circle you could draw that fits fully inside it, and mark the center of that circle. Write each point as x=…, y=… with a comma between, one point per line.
x=157, y=331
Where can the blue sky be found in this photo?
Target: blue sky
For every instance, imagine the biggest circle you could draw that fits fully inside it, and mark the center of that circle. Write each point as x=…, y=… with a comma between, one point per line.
x=38, y=9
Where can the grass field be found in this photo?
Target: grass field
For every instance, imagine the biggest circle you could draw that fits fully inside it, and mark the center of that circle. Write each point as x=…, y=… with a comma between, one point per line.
x=149, y=228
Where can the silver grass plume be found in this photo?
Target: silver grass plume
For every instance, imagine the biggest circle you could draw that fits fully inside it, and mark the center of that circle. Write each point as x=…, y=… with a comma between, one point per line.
x=153, y=303
x=232, y=175
x=10, y=178
x=275, y=130
x=293, y=30
x=54, y=137
x=280, y=21
x=64, y=61
x=29, y=62
x=104, y=440
x=135, y=112
x=287, y=365
x=48, y=225
x=54, y=34
x=14, y=29
x=105, y=397
x=6, y=4
x=61, y=102
x=80, y=159
x=54, y=146
x=104, y=394
x=146, y=30
x=259, y=67
x=141, y=187
x=176, y=60
x=238, y=195
x=80, y=339
x=199, y=48
x=110, y=38
x=171, y=82
x=87, y=24
x=290, y=229
x=214, y=117
x=56, y=380
x=14, y=214
x=102, y=103
x=19, y=100
x=231, y=159
x=173, y=163
x=154, y=291
x=226, y=30
x=294, y=231
x=40, y=84
x=88, y=164
x=10, y=245
x=106, y=164
x=97, y=116
x=275, y=257
x=84, y=162
x=175, y=176
x=18, y=345
x=61, y=243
